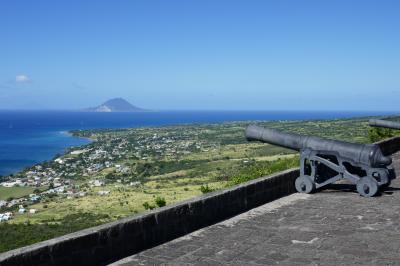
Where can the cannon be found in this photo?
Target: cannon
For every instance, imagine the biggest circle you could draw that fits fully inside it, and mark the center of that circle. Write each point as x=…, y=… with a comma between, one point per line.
x=384, y=123
x=325, y=161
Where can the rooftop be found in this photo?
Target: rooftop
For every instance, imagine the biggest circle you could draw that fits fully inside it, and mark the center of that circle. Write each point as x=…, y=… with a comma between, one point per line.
x=332, y=227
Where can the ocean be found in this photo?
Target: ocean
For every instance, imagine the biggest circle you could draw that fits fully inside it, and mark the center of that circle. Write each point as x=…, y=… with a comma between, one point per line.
x=31, y=137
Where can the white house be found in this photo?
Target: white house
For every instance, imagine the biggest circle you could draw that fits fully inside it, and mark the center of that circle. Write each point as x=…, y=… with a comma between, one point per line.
x=3, y=203
x=59, y=189
x=8, y=184
x=34, y=198
x=96, y=183
x=5, y=216
x=59, y=160
x=104, y=192
x=135, y=184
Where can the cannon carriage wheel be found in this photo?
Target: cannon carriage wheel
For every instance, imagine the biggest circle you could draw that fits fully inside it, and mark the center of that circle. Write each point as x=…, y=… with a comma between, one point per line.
x=304, y=184
x=367, y=186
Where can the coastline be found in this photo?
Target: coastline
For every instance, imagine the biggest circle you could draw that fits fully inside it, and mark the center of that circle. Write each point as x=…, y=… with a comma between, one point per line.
x=71, y=134
x=113, y=121
x=63, y=140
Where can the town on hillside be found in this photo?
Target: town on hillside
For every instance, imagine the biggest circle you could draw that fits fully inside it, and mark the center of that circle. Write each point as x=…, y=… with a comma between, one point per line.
x=114, y=156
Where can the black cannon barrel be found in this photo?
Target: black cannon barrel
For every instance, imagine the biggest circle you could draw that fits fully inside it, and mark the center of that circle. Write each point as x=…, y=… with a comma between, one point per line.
x=367, y=154
x=384, y=123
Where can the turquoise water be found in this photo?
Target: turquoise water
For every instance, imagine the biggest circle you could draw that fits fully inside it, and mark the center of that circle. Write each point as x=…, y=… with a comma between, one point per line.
x=22, y=150
x=30, y=137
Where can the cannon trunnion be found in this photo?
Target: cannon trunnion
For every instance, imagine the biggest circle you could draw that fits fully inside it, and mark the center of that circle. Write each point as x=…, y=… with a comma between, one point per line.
x=324, y=161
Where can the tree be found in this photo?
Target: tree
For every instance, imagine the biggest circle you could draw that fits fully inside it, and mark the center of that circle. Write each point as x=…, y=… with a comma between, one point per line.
x=376, y=134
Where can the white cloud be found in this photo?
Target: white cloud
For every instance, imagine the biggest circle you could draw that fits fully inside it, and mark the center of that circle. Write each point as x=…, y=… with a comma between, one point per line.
x=22, y=79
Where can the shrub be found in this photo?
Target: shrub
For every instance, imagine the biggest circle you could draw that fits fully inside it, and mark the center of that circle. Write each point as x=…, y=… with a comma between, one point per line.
x=148, y=206
x=160, y=201
x=206, y=189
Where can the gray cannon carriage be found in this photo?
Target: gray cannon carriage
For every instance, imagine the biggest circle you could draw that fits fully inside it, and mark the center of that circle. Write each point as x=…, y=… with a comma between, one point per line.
x=384, y=123
x=325, y=161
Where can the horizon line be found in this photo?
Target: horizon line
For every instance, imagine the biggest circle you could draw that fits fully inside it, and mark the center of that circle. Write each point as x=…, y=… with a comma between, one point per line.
x=205, y=110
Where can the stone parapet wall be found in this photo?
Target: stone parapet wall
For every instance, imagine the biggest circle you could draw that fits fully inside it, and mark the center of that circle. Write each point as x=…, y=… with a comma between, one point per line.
x=390, y=146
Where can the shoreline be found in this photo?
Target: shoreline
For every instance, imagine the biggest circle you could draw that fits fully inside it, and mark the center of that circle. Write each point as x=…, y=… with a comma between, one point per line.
x=69, y=133
x=66, y=133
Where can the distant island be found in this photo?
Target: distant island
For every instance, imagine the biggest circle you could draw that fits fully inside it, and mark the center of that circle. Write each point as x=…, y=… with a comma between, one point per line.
x=115, y=105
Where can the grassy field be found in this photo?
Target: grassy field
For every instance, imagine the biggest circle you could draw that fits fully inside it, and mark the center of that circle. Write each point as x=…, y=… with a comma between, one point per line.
x=15, y=192
x=173, y=187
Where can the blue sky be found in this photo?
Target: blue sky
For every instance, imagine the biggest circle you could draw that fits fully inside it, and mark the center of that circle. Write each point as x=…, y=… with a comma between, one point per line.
x=231, y=55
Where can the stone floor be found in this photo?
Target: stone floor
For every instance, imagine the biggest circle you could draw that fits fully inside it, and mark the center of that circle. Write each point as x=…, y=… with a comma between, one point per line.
x=332, y=227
